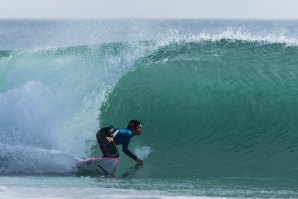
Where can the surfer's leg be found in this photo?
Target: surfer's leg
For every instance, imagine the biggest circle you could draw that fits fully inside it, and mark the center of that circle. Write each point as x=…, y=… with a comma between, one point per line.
x=112, y=150
x=102, y=141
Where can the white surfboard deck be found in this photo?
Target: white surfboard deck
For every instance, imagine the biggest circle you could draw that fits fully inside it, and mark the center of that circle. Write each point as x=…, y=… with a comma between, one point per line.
x=98, y=165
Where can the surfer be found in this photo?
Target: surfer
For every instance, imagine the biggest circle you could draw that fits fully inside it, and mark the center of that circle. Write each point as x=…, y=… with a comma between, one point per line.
x=109, y=137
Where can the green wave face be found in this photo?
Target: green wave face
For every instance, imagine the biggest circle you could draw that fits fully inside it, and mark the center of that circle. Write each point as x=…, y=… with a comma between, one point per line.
x=223, y=108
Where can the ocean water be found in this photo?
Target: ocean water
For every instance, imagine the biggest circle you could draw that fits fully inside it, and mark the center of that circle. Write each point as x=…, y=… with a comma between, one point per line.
x=218, y=100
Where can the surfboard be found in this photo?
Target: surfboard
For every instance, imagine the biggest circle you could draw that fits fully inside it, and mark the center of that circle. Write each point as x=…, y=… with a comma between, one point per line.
x=98, y=165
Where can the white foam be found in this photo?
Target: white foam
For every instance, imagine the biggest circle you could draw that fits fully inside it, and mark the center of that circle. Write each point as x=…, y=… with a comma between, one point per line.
x=28, y=159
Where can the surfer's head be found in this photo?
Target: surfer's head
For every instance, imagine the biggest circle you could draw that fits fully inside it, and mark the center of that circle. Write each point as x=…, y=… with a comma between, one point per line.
x=135, y=126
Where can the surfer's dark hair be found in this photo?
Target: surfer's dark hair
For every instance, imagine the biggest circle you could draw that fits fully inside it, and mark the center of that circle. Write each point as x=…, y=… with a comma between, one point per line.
x=133, y=124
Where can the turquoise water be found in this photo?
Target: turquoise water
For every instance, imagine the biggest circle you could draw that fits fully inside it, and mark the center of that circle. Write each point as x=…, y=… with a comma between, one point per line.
x=218, y=101
x=228, y=107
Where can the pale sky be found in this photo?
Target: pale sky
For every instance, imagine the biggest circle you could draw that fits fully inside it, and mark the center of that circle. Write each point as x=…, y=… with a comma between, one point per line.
x=152, y=9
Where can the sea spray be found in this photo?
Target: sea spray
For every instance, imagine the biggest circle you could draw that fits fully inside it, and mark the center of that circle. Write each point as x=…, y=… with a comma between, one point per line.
x=50, y=99
x=142, y=152
x=29, y=115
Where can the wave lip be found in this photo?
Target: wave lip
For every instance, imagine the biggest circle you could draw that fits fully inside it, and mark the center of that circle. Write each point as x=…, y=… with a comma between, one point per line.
x=245, y=36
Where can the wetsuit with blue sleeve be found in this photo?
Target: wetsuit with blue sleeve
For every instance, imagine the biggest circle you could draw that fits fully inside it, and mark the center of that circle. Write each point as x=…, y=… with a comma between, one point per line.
x=123, y=137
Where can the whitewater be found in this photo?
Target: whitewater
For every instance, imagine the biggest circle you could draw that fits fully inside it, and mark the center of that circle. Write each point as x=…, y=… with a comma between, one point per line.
x=218, y=100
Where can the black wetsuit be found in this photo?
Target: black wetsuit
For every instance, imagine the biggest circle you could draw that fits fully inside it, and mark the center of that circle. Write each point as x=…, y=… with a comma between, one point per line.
x=121, y=137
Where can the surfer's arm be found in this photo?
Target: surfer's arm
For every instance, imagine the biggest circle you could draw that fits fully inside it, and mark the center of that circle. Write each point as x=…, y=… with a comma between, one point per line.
x=129, y=153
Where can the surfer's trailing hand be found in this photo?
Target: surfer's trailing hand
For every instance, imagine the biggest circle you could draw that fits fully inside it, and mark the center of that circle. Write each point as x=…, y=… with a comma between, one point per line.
x=110, y=139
